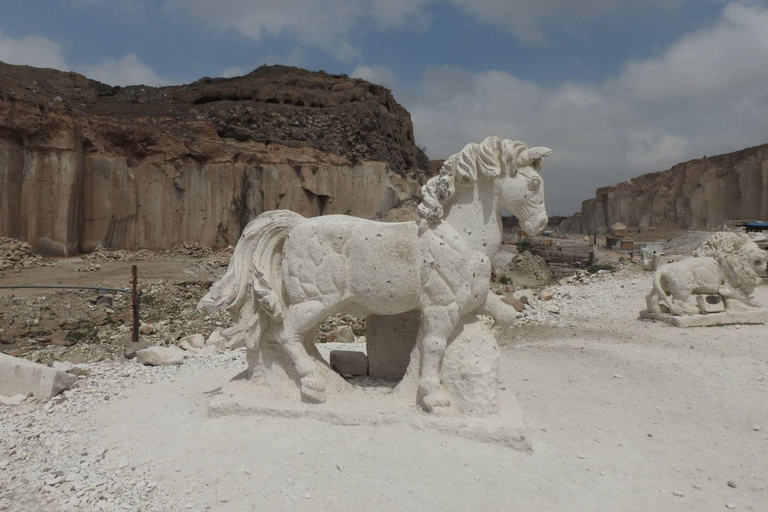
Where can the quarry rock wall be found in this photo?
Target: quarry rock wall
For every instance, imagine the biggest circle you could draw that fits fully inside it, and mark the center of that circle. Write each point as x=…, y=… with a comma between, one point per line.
x=699, y=194
x=83, y=164
x=64, y=202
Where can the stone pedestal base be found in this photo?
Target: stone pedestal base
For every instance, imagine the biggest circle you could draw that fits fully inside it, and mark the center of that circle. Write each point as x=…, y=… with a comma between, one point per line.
x=367, y=404
x=757, y=316
x=469, y=375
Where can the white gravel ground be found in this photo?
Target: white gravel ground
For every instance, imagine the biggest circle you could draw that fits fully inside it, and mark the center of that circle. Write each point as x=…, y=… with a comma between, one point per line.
x=624, y=415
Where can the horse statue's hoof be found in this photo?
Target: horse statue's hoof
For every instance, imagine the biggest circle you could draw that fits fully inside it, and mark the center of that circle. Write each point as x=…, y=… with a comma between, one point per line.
x=313, y=390
x=436, y=402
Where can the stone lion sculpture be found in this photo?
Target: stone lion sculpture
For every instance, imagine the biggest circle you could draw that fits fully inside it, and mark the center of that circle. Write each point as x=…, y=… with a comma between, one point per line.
x=727, y=264
x=294, y=272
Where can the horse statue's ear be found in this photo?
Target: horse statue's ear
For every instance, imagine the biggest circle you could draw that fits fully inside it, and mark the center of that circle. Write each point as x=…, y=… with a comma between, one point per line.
x=532, y=157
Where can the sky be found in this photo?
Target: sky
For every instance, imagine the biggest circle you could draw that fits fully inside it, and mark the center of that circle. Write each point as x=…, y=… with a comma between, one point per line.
x=616, y=88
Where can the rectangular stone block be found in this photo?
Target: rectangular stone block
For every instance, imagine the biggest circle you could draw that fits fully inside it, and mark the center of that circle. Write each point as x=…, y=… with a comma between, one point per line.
x=390, y=340
x=349, y=362
x=21, y=377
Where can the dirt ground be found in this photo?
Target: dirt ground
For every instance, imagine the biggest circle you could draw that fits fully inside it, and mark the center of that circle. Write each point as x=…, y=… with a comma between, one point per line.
x=624, y=415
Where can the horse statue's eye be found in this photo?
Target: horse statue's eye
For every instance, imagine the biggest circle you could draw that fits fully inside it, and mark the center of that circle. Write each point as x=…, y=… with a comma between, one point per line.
x=534, y=183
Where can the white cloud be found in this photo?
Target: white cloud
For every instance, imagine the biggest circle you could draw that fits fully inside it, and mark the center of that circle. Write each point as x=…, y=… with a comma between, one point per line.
x=32, y=50
x=128, y=70
x=653, y=115
x=328, y=24
x=731, y=55
x=381, y=75
x=323, y=24
x=232, y=71
x=38, y=51
x=527, y=19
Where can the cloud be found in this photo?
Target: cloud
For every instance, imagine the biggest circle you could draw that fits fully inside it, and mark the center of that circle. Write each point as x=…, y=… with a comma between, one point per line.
x=731, y=55
x=528, y=19
x=651, y=116
x=38, y=51
x=233, y=71
x=323, y=24
x=329, y=25
x=32, y=50
x=381, y=75
x=128, y=70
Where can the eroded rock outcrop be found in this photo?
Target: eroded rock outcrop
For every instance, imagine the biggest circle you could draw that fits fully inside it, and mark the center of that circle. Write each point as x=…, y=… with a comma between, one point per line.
x=83, y=164
x=699, y=194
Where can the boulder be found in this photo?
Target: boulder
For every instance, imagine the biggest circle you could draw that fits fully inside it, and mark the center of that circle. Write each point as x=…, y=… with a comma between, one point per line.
x=160, y=356
x=22, y=377
x=514, y=302
x=349, y=362
x=341, y=334
x=193, y=340
x=546, y=294
x=147, y=328
x=130, y=350
x=470, y=368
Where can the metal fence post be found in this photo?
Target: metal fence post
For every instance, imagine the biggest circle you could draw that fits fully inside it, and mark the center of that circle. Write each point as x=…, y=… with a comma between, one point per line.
x=135, y=304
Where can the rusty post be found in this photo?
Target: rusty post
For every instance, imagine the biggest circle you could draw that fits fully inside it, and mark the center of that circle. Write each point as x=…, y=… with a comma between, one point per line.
x=135, y=304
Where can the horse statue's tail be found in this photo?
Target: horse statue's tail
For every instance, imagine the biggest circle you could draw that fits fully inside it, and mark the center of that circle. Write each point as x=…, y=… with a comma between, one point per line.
x=253, y=277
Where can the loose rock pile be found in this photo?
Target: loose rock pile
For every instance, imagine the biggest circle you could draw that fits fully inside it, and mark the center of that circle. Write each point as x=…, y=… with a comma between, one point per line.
x=102, y=254
x=193, y=249
x=84, y=327
x=217, y=260
x=15, y=254
x=530, y=264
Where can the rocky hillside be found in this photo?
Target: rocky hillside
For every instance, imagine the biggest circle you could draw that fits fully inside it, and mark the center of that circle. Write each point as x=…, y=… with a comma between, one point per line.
x=699, y=194
x=84, y=164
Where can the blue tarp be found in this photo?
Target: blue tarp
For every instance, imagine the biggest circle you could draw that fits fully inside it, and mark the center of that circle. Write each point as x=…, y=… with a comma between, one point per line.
x=755, y=224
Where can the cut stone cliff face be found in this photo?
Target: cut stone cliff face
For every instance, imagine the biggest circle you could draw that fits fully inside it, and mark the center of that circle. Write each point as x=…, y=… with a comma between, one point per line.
x=699, y=194
x=83, y=164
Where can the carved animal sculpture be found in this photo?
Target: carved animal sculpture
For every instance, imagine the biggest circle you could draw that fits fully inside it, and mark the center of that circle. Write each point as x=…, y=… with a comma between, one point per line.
x=296, y=272
x=729, y=264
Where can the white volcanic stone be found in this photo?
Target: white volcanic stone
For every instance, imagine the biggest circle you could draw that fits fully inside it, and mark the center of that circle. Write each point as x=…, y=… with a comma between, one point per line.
x=390, y=341
x=194, y=340
x=22, y=377
x=349, y=362
x=727, y=266
x=160, y=356
x=294, y=272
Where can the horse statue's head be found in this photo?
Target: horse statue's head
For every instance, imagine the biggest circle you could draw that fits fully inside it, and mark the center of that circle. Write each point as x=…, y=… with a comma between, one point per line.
x=515, y=171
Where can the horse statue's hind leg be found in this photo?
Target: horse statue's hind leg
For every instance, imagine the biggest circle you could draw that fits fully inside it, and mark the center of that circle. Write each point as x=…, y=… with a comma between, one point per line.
x=437, y=324
x=301, y=319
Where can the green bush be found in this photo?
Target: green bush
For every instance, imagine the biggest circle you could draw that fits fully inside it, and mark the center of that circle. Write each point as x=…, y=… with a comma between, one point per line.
x=524, y=245
x=505, y=280
x=83, y=333
x=601, y=266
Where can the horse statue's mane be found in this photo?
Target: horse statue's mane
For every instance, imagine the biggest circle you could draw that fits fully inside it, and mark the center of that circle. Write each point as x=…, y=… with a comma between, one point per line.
x=492, y=157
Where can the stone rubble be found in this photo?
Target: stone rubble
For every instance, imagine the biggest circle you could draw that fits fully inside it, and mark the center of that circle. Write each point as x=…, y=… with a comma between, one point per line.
x=15, y=255
x=47, y=466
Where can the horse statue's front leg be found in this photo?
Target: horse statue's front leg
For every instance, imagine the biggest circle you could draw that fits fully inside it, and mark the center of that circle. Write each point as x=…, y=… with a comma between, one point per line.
x=437, y=324
x=503, y=314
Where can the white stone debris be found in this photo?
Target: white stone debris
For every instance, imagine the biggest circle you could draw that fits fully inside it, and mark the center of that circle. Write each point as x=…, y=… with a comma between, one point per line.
x=48, y=466
x=160, y=356
x=19, y=376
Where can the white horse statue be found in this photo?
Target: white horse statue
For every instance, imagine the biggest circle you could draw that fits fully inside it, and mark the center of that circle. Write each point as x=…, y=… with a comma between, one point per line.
x=295, y=272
